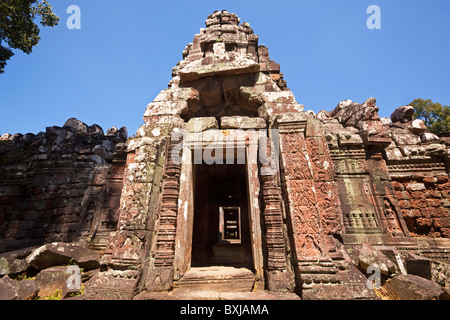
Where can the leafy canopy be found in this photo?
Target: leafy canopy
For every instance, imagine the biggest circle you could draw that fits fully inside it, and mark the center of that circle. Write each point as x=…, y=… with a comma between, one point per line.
x=435, y=116
x=17, y=26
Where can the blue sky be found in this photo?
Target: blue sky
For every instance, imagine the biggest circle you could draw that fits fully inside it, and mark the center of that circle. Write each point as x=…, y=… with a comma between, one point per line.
x=107, y=72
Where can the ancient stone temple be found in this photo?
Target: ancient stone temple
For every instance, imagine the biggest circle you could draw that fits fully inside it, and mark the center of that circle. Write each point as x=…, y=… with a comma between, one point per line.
x=230, y=185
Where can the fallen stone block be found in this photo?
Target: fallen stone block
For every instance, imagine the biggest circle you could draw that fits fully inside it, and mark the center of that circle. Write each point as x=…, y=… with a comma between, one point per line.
x=77, y=125
x=418, y=126
x=58, y=253
x=366, y=255
x=403, y=114
x=445, y=294
x=54, y=283
x=7, y=291
x=428, y=137
x=412, y=287
x=419, y=266
x=25, y=289
x=109, y=285
x=15, y=262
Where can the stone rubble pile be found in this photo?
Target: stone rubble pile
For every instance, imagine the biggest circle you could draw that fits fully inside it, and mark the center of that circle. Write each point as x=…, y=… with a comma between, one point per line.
x=47, y=272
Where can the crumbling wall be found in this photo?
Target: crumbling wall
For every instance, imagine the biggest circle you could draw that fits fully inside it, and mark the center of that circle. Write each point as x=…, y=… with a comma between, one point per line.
x=54, y=185
x=356, y=137
x=425, y=204
x=406, y=168
x=417, y=162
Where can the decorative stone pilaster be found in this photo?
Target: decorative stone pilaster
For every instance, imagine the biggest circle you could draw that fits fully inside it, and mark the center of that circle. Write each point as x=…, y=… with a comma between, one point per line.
x=131, y=245
x=160, y=275
x=279, y=273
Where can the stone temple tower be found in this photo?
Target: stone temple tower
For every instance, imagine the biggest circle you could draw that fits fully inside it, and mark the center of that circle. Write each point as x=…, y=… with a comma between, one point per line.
x=231, y=188
x=229, y=171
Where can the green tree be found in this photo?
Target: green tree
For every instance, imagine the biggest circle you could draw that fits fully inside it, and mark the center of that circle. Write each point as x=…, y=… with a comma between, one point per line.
x=435, y=116
x=17, y=26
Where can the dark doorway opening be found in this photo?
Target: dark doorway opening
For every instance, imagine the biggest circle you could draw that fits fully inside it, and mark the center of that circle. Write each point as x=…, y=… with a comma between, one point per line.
x=221, y=233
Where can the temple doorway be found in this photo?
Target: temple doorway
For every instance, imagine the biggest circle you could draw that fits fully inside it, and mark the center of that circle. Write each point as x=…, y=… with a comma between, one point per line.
x=221, y=232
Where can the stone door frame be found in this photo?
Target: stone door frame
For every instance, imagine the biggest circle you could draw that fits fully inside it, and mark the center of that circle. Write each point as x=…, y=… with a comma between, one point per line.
x=194, y=142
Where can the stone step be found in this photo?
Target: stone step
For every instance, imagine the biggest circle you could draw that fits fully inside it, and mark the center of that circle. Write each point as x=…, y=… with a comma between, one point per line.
x=214, y=295
x=220, y=279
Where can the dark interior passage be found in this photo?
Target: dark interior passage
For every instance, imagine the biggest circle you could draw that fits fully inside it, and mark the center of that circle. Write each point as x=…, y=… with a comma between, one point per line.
x=221, y=235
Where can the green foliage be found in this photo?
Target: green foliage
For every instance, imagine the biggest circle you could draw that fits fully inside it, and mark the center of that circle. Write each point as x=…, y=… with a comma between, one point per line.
x=79, y=293
x=17, y=26
x=71, y=263
x=55, y=296
x=435, y=116
x=25, y=276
